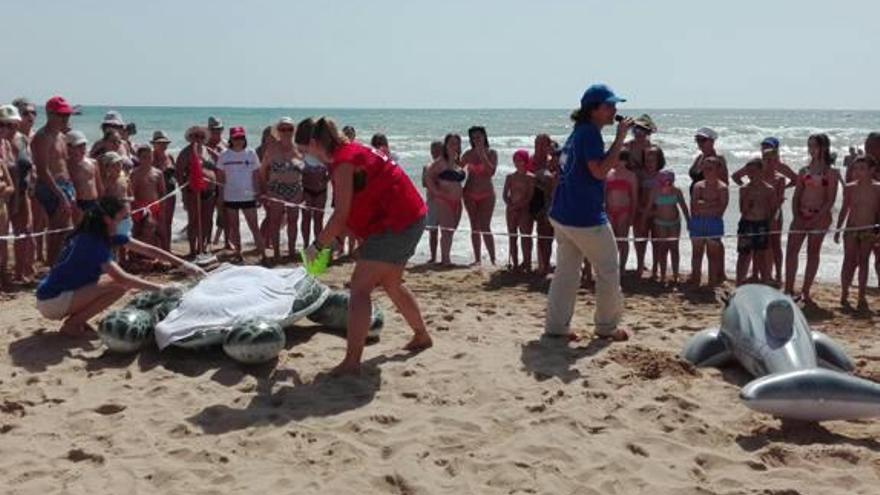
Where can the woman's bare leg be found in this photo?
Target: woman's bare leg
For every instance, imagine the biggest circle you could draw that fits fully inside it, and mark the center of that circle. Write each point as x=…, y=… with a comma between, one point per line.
x=474, y=219
x=88, y=302
x=250, y=217
x=850, y=262
x=486, y=209
x=292, y=220
x=366, y=276
x=408, y=307
x=792, y=255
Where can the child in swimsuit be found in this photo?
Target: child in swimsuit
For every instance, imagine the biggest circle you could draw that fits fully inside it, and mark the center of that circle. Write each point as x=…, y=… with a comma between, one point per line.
x=621, y=199
x=665, y=202
x=758, y=203
x=861, y=204
x=518, y=189
x=813, y=200
x=654, y=162
x=84, y=173
x=708, y=203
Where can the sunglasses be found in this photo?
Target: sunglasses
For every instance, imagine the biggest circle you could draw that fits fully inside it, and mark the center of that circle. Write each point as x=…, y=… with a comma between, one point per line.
x=285, y=129
x=8, y=125
x=29, y=113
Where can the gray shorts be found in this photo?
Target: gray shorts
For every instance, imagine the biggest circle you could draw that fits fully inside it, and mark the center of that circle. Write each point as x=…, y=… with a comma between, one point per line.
x=395, y=248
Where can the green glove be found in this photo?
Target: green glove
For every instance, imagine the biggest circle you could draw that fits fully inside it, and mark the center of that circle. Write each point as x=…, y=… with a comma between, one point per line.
x=316, y=261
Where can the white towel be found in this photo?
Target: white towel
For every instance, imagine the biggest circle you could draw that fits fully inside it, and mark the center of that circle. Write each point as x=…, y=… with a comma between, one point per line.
x=232, y=292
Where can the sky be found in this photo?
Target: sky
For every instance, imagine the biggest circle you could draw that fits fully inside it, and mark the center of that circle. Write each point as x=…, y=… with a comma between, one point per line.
x=450, y=54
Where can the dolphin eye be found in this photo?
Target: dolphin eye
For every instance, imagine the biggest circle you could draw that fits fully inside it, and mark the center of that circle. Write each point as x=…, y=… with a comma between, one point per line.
x=779, y=319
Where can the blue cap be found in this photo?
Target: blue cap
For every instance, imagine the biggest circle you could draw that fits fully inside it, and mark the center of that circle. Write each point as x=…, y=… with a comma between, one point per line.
x=770, y=142
x=599, y=93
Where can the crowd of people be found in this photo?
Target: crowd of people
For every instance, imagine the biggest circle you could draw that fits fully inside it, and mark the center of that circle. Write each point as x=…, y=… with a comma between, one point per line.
x=51, y=177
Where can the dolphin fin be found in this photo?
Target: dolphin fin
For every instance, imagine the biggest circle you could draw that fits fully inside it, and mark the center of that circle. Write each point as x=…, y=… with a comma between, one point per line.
x=830, y=354
x=814, y=394
x=706, y=348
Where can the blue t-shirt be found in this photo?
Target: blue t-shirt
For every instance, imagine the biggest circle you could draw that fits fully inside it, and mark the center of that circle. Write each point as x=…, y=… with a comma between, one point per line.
x=579, y=200
x=78, y=265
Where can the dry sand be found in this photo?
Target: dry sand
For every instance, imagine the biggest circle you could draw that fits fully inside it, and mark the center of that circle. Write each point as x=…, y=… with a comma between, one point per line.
x=490, y=409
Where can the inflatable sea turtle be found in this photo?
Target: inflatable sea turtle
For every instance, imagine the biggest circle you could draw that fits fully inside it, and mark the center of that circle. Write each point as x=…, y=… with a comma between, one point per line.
x=246, y=339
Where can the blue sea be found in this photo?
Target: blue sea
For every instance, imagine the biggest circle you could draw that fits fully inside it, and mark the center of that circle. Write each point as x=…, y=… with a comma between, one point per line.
x=410, y=133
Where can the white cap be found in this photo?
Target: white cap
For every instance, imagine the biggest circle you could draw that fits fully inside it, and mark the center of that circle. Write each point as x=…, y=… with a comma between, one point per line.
x=75, y=138
x=707, y=133
x=9, y=113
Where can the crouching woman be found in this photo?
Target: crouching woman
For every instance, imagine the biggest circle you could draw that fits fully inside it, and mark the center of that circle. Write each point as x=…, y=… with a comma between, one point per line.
x=86, y=279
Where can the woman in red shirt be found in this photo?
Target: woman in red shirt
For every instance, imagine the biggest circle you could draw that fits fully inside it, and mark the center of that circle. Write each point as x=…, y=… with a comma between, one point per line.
x=377, y=203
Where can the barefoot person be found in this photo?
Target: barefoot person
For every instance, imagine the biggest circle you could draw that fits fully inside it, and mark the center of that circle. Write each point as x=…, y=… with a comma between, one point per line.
x=814, y=197
x=86, y=280
x=861, y=213
x=445, y=179
x=191, y=155
x=54, y=190
x=24, y=212
x=431, y=221
x=643, y=224
x=518, y=189
x=621, y=200
x=709, y=198
x=539, y=206
x=85, y=174
x=758, y=202
x=872, y=149
x=579, y=221
x=479, y=193
x=9, y=119
x=238, y=170
x=281, y=173
x=164, y=162
x=377, y=202
x=665, y=202
x=781, y=177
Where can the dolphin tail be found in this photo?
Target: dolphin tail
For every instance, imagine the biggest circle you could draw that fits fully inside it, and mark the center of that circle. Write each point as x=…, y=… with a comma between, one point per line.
x=706, y=348
x=813, y=395
x=830, y=354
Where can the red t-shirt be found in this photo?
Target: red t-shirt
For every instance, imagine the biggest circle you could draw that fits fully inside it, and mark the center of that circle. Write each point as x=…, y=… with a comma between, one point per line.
x=384, y=198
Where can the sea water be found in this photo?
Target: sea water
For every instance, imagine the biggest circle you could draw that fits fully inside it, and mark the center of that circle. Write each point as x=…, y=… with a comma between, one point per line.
x=410, y=133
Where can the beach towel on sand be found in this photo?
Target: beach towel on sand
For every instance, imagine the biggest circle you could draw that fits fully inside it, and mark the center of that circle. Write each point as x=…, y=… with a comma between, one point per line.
x=231, y=292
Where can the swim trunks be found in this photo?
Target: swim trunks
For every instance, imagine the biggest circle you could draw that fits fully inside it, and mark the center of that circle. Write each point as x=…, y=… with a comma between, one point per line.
x=86, y=204
x=706, y=227
x=47, y=198
x=753, y=235
x=141, y=210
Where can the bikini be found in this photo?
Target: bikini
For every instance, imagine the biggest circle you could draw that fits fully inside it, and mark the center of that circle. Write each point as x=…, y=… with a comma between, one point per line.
x=666, y=200
x=478, y=169
x=809, y=181
x=451, y=175
x=616, y=213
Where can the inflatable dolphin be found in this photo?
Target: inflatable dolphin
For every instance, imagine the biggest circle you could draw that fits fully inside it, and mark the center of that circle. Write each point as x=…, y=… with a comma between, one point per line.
x=766, y=332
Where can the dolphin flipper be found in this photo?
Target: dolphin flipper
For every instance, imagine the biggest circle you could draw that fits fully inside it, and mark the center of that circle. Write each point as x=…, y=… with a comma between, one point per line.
x=830, y=354
x=706, y=348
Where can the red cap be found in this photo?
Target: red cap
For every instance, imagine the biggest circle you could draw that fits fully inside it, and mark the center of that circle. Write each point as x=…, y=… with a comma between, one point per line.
x=237, y=132
x=58, y=105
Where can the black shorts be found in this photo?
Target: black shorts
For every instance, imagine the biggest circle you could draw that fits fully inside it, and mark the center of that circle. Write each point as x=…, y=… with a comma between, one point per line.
x=754, y=235
x=240, y=205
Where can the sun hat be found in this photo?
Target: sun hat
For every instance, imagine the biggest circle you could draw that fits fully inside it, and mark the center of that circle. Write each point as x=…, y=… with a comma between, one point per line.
x=58, y=106
x=160, y=137
x=707, y=133
x=113, y=118
x=196, y=129
x=282, y=121
x=110, y=157
x=75, y=138
x=9, y=114
x=645, y=122
x=214, y=123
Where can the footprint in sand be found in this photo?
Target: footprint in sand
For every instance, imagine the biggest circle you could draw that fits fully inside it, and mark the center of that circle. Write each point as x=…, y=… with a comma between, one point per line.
x=79, y=455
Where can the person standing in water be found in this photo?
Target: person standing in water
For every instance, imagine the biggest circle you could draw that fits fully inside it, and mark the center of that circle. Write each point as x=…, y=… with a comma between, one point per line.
x=814, y=197
x=480, y=161
x=579, y=220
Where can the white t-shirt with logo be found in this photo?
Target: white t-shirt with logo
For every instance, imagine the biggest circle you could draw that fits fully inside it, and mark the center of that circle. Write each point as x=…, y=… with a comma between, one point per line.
x=239, y=167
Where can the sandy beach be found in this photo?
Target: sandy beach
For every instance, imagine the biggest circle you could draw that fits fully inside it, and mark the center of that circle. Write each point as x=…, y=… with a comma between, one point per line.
x=490, y=409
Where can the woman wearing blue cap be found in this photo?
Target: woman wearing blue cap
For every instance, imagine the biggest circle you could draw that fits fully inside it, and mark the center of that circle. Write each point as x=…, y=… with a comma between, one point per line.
x=579, y=221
